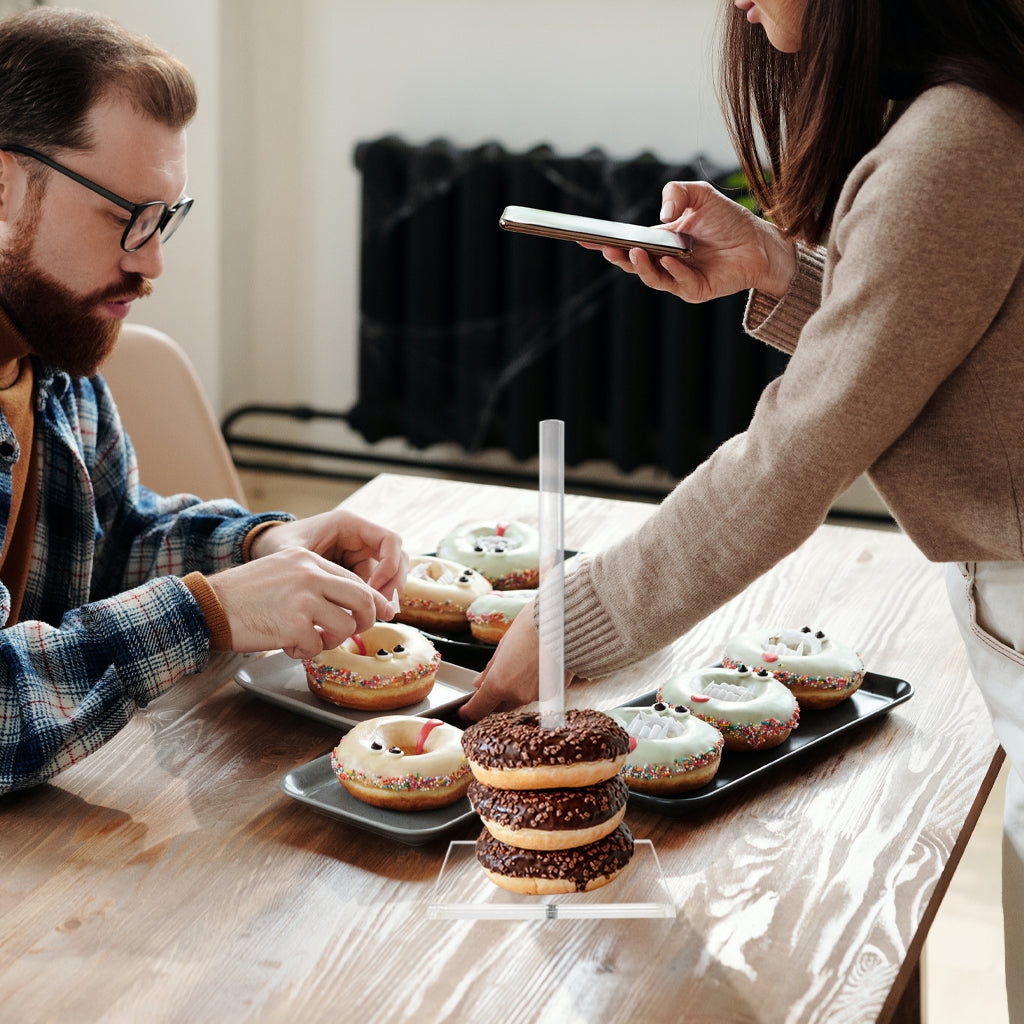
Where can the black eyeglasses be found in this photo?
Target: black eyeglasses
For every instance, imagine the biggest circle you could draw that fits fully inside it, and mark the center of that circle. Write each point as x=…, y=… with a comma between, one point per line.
x=146, y=218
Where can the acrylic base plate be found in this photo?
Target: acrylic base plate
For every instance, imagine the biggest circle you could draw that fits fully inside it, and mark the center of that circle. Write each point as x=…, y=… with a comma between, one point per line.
x=463, y=890
x=282, y=681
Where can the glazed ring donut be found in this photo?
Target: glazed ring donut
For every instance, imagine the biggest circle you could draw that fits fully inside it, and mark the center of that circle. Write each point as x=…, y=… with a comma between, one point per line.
x=550, y=819
x=544, y=872
x=752, y=710
x=387, y=666
x=437, y=593
x=673, y=750
x=510, y=750
x=402, y=763
x=819, y=672
x=508, y=554
x=490, y=615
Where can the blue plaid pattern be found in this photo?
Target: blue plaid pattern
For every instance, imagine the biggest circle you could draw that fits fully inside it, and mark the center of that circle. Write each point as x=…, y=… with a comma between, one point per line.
x=106, y=624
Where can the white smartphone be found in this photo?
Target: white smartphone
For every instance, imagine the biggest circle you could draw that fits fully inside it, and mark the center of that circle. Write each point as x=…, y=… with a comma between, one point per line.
x=549, y=224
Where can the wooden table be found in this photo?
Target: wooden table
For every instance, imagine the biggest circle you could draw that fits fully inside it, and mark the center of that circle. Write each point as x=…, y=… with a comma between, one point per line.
x=168, y=878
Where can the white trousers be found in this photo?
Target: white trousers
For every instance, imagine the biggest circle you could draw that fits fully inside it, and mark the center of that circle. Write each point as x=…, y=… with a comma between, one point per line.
x=988, y=601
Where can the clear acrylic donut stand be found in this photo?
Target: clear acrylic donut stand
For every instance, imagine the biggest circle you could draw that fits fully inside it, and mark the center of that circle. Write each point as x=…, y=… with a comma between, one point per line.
x=463, y=889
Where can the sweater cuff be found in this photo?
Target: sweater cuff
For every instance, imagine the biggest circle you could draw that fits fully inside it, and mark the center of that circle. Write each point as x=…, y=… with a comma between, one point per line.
x=778, y=322
x=216, y=621
x=251, y=536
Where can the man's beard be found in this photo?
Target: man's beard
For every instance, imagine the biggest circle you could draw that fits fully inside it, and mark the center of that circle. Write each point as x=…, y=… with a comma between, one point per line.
x=60, y=327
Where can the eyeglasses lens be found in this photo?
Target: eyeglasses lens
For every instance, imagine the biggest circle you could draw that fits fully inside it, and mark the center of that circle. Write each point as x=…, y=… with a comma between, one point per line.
x=152, y=218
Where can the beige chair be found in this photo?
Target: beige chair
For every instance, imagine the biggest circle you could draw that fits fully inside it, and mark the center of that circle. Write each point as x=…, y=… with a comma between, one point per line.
x=168, y=417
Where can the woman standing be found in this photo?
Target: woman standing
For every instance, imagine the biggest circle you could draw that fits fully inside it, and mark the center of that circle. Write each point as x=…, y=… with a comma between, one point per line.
x=886, y=144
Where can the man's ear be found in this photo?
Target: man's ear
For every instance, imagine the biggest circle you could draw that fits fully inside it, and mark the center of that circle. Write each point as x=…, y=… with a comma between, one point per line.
x=13, y=187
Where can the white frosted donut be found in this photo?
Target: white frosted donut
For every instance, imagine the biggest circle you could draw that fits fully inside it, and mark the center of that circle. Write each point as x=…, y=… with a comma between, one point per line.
x=490, y=615
x=438, y=592
x=403, y=763
x=819, y=672
x=508, y=554
x=752, y=710
x=672, y=750
x=386, y=666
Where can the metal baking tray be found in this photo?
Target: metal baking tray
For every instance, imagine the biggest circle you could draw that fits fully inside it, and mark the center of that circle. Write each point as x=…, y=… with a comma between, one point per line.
x=316, y=785
x=817, y=731
x=282, y=681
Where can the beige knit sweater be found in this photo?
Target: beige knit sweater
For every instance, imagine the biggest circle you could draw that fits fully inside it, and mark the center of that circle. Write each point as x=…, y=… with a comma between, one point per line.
x=907, y=343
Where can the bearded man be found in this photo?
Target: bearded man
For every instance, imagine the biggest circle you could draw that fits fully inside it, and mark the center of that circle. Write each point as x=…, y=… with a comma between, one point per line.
x=109, y=593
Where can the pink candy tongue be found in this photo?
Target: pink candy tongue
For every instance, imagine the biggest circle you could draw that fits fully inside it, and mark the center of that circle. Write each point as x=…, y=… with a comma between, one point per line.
x=500, y=529
x=430, y=723
x=358, y=641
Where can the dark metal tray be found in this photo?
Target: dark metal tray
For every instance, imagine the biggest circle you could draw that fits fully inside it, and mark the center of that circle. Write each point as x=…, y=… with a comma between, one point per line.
x=817, y=730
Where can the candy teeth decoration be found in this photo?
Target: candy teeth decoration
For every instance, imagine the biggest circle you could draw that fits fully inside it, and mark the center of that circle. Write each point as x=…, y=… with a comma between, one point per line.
x=671, y=750
x=819, y=672
x=751, y=709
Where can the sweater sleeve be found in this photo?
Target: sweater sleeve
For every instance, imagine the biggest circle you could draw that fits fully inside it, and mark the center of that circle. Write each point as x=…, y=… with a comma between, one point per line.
x=898, y=315
x=780, y=321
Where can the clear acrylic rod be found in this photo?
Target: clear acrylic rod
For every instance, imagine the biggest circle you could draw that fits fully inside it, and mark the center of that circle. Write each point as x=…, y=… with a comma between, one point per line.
x=551, y=596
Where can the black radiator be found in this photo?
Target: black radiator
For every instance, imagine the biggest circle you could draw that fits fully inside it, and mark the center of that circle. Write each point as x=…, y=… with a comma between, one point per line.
x=469, y=334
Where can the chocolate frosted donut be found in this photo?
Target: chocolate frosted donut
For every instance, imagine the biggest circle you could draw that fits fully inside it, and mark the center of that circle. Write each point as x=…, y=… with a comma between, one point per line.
x=510, y=750
x=555, y=871
x=550, y=819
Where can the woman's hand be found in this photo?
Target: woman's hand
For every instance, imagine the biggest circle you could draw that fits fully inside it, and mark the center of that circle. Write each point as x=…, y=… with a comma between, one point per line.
x=733, y=249
x=511, y=677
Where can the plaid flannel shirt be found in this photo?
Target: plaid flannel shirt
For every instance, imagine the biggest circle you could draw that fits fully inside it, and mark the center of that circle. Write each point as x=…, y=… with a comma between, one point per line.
x=106, y=624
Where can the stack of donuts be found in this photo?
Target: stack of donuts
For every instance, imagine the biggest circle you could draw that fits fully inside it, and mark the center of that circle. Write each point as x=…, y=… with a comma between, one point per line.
x=551, y=800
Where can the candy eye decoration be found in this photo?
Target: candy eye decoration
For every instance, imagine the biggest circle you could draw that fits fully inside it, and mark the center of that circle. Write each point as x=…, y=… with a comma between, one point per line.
x=376, y=745
x=396, y=751
x=383, y=655
x=681, y=709
x=660, y=706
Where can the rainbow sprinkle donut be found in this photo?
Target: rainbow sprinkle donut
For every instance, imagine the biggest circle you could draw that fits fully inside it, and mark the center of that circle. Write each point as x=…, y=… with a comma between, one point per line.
x=671, y=749
x=508, y=554
x=751, y=709
x=819, y=672
x=386, y=666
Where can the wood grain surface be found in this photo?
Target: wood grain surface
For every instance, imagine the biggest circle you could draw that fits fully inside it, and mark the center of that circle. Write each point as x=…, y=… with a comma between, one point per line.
x=168, y=878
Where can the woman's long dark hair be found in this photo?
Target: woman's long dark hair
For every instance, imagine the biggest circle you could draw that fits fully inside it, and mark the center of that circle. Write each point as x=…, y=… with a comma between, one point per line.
x=801, y=121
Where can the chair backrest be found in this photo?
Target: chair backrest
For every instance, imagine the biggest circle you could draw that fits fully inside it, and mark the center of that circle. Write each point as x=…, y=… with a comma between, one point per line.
x=176, y=436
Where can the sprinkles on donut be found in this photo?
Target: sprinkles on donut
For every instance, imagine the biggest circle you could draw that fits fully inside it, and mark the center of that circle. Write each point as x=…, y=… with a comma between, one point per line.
x=507, y=553
x=818, y=671
x=388, y=666
x=672, y=750
x=752, y=710
x=402, y=762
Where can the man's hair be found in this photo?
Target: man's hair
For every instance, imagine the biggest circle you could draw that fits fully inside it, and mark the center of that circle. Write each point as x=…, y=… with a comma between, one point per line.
x=801, y=121
x=56, y=64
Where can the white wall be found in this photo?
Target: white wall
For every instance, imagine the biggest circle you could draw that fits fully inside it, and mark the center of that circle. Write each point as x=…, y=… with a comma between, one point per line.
x=265, y=270
x=186, y=302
